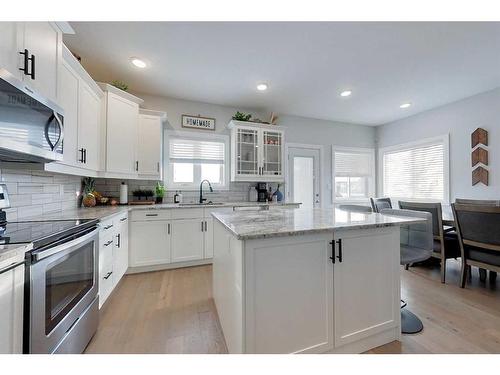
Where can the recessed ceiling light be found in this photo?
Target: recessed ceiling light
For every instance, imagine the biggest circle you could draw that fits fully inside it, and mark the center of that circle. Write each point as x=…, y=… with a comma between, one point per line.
x=137, y=62
x=346, y=93
x=262, y=86
x=405, y=105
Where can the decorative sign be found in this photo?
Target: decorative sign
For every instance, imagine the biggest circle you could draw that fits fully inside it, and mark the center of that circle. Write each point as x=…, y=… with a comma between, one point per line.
x=198, y=122
x=479, y=155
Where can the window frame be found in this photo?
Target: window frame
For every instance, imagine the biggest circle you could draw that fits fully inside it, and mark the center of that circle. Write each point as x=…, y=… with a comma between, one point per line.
x=444, y=139
x=168, y=175
x=372, y=183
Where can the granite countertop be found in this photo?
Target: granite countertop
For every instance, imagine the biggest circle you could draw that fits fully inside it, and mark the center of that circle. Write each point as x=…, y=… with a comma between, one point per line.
x=247, y=225
x=102, y=212
x=12, y=251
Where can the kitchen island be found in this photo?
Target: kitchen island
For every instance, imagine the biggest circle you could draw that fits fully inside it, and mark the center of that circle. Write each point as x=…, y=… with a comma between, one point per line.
x=307, y=280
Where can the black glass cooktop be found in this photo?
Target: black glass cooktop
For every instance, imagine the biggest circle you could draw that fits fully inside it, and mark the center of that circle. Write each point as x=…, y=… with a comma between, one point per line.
x=41, y=233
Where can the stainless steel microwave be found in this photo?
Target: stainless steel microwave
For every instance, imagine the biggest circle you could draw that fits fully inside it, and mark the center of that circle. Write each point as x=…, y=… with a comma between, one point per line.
x=31, y=127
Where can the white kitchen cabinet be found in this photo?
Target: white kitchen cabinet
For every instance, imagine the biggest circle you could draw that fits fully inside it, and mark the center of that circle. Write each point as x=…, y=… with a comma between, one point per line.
x=11, y=305
x=89, y=127
x=69, y=87
x=304, y=308
x=106, y=244
x=257, y=152
x=10, y=45
x=208, y=241
x=187, y=239
x=120, y=248
x=366, y=297
x=149, y=144
x=43, y=40
x=122, y=119
x=150, y=243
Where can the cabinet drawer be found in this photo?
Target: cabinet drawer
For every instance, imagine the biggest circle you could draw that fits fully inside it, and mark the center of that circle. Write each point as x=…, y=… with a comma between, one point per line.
x=151, y=215
x=187, y=213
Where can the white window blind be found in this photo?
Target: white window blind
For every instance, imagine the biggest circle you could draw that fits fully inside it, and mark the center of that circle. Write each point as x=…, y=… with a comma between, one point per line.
x=415, y=172
x=354, y=173
x=196, y=151
x=354, y=164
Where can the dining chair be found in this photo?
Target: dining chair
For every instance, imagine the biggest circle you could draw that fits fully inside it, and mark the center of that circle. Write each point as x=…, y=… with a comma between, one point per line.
x=479, y=237
x=415, y=246
x=445, y=244
x=379, y=204
x=478, y=201
x=355, y=208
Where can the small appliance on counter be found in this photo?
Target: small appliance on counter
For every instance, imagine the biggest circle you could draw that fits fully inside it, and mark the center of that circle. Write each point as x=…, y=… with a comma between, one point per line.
x=262, y=195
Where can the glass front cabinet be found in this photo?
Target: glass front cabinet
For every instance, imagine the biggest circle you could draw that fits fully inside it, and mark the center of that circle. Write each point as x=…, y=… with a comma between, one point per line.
x=257, y=152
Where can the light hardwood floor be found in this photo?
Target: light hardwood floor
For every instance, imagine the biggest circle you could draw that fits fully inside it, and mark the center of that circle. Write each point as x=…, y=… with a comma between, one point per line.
x=173, y=312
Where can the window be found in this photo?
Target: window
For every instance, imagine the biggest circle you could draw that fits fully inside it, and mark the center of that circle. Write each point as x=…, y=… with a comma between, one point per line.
x=416, y=170
x=353, y=173
x=194, y=158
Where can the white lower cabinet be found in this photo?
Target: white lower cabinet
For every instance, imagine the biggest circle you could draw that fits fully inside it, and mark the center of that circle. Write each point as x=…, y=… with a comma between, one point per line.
x=187, y=239
x=11, y=305
x=286, y=294
x=365, y=291
x=150, y=243
x=208, y=242
x=113, y=254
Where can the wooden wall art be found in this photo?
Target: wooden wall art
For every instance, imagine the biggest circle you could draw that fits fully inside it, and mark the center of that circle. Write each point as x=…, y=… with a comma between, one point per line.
x=479, y=155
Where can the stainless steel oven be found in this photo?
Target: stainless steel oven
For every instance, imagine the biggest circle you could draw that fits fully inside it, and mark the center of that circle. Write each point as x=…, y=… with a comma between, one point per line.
x=31, y=126
x=63, y=294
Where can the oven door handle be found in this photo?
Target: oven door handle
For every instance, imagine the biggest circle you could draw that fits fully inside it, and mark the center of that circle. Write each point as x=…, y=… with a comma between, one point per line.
x=65, y=246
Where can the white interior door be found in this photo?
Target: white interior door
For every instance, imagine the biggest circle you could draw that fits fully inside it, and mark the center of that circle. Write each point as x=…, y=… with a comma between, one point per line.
x=303, y=172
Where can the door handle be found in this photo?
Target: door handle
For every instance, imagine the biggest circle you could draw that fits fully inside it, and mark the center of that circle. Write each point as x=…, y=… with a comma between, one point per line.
x=202, y=226
x=205, y=225
x=85, y=155
x=118, y=236
x=137, y=165
x=81, y=160
x=32, y=73
x=339, y=257
x=168, y=228
x=158, y=167
x=333, y=251
x=25, y=68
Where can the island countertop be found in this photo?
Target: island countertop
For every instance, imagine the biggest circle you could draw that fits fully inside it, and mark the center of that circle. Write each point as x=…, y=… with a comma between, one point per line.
x=246, y=225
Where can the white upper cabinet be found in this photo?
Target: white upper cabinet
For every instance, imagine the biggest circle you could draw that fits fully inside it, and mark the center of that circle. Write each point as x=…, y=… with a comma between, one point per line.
x=89, y=127
x=149, y=144
x=68, y=90
x=10, y=46
x=122, y=119
x=81, y=100
x=43, y=40
x=31, y=51
x=257, y=152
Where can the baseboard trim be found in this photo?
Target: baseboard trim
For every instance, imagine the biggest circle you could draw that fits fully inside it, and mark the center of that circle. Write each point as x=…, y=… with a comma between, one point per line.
x=168, y=266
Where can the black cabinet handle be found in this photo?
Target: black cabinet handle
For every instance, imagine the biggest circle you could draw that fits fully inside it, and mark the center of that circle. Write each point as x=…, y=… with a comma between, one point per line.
x=158, y=167
x=333, y=252
x=137, y=165
x=108, y=275
x=168, y=228
x=108, y=243
x=108, y=226
x=151, y=214
x=32, y=73
x=123, y=219
x=25, y=68
x=85, y=155
x=339, y=257
x=81, y=160
x=205, y=225
x=202, y=226
x=118, y=237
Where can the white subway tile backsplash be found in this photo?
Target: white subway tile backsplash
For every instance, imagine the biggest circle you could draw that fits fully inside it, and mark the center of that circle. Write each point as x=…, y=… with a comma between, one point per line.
x=28, y=211
x=29, y=188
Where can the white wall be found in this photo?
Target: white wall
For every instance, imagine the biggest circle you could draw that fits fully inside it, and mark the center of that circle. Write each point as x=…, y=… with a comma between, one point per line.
x=459, y=119
x=298, y=129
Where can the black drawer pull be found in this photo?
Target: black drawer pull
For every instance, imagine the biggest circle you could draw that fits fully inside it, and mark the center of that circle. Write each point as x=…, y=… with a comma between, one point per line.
x=108, y=275
x=108, y=243
x=123, y=219
x=151, y=214
x=333, y=251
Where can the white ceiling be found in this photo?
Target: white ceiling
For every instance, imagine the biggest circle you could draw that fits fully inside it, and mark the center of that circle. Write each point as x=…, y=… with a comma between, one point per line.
x=305, y=64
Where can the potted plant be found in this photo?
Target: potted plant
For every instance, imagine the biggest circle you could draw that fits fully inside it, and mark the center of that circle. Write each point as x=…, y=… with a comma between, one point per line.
x=88, y=192
x=159, y=192
x=239, y=116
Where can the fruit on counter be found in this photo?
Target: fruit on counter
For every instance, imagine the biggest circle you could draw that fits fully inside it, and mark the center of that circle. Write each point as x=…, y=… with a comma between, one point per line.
x=89, y=199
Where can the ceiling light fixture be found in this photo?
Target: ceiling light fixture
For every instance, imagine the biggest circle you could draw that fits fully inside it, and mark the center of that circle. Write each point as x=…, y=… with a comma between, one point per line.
x=137, y=62
x=346, y=93
x=262, y=86
x=405, y=105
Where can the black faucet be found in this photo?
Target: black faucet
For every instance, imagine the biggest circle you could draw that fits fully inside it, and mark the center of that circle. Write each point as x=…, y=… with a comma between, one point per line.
x=201, y=190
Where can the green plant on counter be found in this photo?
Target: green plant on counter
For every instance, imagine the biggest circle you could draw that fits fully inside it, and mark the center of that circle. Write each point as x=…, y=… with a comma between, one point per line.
x=120, y=85
x=159, y=190
x=240, y=116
